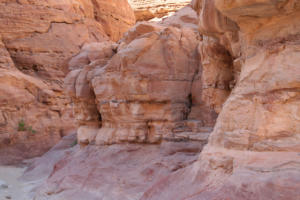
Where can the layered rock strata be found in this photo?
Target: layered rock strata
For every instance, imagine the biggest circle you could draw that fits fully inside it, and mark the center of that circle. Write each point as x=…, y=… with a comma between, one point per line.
x=37, y=40
x=253, y=152
x=149, y=9
x=121, y=171
x=246, y=53
x=152, y=88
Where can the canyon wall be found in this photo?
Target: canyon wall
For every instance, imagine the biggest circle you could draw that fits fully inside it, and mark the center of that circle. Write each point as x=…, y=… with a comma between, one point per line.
x=37, y=40
x=139, y=91
x=141, y=115
x=149, y=9
x=253, y=152
x=147, y=105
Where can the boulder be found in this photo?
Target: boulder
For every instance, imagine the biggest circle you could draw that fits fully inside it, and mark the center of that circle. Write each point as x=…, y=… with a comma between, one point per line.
x=144, y=92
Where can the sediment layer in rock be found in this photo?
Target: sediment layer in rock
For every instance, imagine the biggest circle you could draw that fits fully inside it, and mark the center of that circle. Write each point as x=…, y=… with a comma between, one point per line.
x=165, y=84
x=121, y=171
x=37, y=40
x=253, y=152
x=149, y=87
x=148, y=9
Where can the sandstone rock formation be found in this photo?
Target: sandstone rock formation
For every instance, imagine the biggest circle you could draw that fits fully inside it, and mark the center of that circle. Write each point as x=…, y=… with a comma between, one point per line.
x=148, y=9
x=116, y=16
x=37, y=40
x=183, y=18
x=91, y=173
x=148, y=90
x=165, y=84
x=253, y=152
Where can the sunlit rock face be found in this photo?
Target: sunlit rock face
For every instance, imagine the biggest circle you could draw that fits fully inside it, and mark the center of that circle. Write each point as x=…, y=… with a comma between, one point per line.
x=155, y=9
x=115, y=16
x=162, y=81
x=114, y=172
x=37, y=40
x=253, y=152
x=268, y=88
x=144, y=90
x=228, y=66
x=150, y=89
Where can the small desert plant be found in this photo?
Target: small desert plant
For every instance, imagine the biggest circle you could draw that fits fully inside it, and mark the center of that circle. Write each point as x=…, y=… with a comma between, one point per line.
x=21, y=125
x=29, y=128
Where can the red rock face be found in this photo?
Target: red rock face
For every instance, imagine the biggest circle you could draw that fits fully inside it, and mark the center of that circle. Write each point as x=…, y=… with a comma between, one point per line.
x=91, y=173
x=149, y=90
x=38, y=39
x=148, y=9
x=165, y=84
x=116, y=16
x=253, y=152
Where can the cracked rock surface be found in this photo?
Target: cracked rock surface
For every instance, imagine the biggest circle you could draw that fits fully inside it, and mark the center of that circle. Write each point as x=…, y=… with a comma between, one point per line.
x=146, y=88
x=37, y=40
x=224, y=74
x=149, y=9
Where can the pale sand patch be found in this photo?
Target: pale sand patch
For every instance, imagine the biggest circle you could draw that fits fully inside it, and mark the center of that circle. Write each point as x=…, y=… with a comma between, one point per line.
x=17, y=189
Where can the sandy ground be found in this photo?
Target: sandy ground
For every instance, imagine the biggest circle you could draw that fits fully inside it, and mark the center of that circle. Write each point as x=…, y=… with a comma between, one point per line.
x=17, y=190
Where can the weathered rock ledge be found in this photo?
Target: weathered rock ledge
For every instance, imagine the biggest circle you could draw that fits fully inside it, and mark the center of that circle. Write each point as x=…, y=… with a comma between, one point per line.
x=37, y=39
x=146, y=105
x=145, y=10
x=139, y=91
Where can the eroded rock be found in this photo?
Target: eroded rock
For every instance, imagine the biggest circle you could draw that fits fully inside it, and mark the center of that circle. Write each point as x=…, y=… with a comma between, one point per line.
x=144, y=92
x=121, y=171
x=166, y=85
x=148, y=9
x=37, y=40
x=253, y=152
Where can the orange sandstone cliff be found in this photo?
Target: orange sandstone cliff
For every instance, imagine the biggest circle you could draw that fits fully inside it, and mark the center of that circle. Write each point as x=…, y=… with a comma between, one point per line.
x=145, y=10
x=37, y=40
x=203, y=105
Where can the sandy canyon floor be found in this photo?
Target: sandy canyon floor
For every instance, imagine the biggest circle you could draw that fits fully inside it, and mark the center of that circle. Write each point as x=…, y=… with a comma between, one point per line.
x=11, y=187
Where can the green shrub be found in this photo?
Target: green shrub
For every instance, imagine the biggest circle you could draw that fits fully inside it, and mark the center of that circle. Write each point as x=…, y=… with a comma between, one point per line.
x=31, y=130
x=21, y=125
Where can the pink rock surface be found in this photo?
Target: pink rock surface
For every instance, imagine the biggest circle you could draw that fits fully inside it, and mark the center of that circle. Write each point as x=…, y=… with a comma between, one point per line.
x=37, y=40
x=148, y=9
x=107, y=172
x=143, y=93
x=253, y=152
x=146, y=105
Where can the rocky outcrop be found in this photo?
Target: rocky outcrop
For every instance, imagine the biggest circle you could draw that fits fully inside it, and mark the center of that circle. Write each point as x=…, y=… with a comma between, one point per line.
x=143, y=93
x=37, y=40
x=149, y=9
x=68, y=172
x=149, y=88
x=253, y=152
x=183, y=18
x=5, y=60
x=166, y=84
x=116, y=16
x=32, y=118
x=41, y=36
